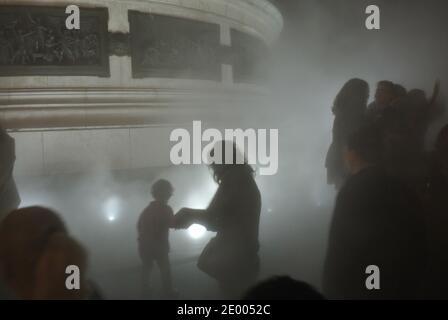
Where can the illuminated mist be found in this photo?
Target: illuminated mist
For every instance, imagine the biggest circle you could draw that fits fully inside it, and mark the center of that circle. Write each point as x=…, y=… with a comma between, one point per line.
x=324, y=44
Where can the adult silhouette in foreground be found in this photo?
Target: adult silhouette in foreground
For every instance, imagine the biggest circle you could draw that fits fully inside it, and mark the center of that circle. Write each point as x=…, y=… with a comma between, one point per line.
x=349, y=110
x=377, y=221
x=231, y=257
x=35, y=250
x=436, y=201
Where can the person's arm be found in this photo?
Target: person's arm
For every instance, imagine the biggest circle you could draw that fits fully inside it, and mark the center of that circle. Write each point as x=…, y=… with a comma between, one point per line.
x=217, y=213
x=171, y=219
x=211, y=218
x=429, y=111
x=435, y=93
x=185, y=217
x=221, y=209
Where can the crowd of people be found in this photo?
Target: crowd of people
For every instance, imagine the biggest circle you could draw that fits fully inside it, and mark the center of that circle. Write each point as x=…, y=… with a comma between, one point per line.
x=391, y=212
x=391, y=209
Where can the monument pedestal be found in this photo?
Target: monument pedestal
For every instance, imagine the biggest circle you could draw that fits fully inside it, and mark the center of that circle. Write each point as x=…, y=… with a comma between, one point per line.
x=136, y=69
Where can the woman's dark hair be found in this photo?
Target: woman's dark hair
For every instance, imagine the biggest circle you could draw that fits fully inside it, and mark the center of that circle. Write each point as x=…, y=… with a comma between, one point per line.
x=220, y=167
x=352, y=97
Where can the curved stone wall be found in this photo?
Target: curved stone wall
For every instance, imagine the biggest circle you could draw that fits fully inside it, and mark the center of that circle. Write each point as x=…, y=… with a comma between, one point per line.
x=110, y=94
x=133, y=62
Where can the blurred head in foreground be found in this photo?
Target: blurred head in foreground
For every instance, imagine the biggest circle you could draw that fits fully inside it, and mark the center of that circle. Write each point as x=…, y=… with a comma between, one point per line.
x=283, y=288
x=35, y=251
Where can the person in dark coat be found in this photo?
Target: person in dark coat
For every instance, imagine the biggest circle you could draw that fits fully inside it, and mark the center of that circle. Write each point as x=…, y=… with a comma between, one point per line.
x=153, y=236
x=349, y=111
x=231, y=257
x=376, y=221
x=436, y=201
x=9, y=196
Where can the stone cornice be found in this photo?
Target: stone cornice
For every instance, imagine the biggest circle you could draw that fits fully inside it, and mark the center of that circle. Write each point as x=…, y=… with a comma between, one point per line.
x=66, y=108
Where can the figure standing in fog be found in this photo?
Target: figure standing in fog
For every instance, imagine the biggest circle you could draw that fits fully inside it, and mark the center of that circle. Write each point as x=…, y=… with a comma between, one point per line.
x=9, y=196
x=153, y=236
x=436, y=200
x=234, y=213
x=376, y=221
x=349, y=111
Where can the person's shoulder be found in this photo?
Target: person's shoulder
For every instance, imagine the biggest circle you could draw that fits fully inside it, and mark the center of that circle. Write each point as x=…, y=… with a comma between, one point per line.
x=160, y=208
x=168, y=209
x=149, y=209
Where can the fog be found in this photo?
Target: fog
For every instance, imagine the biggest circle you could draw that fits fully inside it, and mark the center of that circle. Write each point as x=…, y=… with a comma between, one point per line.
x=323, y=45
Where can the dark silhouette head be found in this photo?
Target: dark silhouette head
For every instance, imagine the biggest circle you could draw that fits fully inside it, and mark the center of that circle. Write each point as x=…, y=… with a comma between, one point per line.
x=353, y=97
x=363, y=148
x=35, y=250
x=225, y=156
x=417, y=97
x=385, y=93
x=283, y=288
x=162, y=190
x=400, y=92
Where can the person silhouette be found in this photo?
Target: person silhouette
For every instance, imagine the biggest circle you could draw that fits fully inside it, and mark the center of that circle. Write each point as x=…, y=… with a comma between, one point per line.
x=153, y=237
x=377, y=220
x=436, y=204
x=9, y=195
x=349, y=110
x=231, y=257
x=35, y=250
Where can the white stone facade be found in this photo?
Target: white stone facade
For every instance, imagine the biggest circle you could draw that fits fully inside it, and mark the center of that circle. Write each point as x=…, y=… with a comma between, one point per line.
x=68, y=124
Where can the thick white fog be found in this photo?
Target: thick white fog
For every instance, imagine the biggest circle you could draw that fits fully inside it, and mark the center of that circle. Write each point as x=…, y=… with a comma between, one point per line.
x=324, y=44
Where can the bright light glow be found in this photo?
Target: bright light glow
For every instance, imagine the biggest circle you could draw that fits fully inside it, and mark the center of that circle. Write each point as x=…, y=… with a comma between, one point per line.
x=202, y=196
x=111, y=208
x=196, y=231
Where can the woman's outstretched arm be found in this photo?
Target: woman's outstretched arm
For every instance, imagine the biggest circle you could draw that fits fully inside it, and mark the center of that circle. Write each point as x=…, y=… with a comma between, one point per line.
x=185, y=217
x=205, y=217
